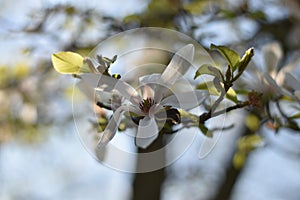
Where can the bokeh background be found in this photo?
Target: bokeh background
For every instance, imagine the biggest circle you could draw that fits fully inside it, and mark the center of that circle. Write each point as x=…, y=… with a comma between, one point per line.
x=41, y=156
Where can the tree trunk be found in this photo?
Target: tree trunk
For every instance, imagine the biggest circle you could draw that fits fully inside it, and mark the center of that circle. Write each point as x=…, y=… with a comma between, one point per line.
x=147, y=186
x=232, y=175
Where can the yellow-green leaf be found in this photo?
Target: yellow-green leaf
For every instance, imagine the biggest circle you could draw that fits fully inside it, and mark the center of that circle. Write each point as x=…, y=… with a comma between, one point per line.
x=245, y=60
x=68, y=63
x=230, y=56
x=231, y=95
x=210, y=87
x=208, y=69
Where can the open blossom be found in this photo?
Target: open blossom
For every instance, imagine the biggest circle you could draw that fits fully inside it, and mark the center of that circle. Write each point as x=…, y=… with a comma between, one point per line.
x=268, y=77
x=152, y=99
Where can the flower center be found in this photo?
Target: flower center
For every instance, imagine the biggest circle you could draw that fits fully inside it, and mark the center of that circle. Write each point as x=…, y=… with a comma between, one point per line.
x=146, y=104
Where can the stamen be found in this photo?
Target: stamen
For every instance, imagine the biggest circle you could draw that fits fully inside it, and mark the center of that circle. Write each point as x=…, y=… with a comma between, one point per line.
x=146, y=104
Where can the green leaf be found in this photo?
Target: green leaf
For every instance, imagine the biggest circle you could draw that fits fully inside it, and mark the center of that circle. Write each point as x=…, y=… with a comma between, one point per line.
x=210, y=87
x=208, y=69
x=68, y=63
x=231, y=95
x=230, y=56
x=245, y=60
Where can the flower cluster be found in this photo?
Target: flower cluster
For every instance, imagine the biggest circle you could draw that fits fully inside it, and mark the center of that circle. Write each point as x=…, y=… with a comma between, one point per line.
x=155, y=110
x=279, y=86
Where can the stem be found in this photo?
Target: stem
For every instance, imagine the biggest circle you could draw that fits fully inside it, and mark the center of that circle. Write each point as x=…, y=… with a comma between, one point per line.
x=206, y=116
x=226, y=110
x=102, y=105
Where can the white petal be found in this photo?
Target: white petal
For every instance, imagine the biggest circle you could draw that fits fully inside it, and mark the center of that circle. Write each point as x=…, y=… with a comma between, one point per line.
x=185, y=100
x=273, y=84
x=272, y=54
x=111, y=128
x=109, y=84
x=147, y=132
x=291, y=81
x=179, y=65
x=113, y=124
x=153, y=78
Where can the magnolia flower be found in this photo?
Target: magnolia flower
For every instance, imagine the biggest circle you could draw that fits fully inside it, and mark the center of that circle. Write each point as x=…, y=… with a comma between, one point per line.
x=152, y=99
x=268, y=77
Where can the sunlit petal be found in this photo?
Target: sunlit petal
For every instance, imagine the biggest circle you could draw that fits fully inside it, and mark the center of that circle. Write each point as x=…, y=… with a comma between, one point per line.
x=185, y=100
x=179, y=65
x=147, y=132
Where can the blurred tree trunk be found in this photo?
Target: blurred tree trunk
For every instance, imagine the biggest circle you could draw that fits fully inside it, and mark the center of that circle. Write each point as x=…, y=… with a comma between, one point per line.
x=232, y=174
x=147, y=186
x=225, y=190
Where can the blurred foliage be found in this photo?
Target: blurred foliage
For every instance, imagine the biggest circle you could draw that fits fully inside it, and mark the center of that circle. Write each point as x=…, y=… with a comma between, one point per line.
x=245, y=144
x=159, y=13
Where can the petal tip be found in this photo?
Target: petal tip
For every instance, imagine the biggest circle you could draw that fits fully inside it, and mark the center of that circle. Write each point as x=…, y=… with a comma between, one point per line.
x=187, y=51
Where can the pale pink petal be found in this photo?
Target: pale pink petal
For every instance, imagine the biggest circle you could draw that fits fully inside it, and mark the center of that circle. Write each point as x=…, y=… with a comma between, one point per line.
x=149, y=83
x=147, y=132
x=148, y=92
